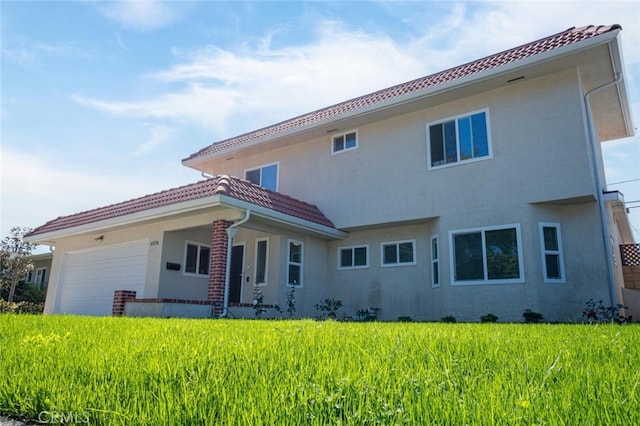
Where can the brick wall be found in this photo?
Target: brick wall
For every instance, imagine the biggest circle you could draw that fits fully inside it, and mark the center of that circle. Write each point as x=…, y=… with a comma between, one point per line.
x=120, y=297
x=218, y=264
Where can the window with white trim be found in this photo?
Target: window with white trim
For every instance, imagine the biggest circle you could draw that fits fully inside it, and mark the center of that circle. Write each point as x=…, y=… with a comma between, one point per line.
x=459, y=139
x=29, y=277
x=344, y=142
x=398, y=253
x=435, y=263
x=294, y=263
x=265, y=176
x=262, y=261
x=196, y=259
x=354, y=257
x=490, y=255
x=41, y=276
x=552, y=259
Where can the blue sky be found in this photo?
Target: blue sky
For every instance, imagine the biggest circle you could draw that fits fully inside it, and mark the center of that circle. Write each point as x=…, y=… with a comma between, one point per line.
x=101, y=100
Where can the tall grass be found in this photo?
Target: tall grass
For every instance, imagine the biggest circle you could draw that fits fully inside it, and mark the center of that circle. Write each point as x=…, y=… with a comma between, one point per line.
x=125, y=371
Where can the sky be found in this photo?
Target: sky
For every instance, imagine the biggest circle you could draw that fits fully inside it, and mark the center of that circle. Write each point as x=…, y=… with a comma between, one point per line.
x=100, y=101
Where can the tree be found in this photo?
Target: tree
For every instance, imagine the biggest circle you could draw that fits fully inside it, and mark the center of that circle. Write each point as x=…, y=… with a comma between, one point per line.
x=15, y=259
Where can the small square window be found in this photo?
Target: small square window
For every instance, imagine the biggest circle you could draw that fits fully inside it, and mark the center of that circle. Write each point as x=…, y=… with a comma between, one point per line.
x=398, y=253
x=265, y=176
x=344, y=142
x=353, y=257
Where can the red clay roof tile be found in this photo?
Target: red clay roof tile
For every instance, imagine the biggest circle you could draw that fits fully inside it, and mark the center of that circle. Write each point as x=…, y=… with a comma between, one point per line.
x=230, y=186
x=565, y=38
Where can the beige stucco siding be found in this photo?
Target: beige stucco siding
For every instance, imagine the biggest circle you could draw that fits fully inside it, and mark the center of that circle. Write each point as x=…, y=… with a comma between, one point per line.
x=386, y=179
x=153, y=231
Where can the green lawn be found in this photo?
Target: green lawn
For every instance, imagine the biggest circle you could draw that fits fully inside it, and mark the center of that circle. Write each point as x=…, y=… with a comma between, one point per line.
x=125, y=371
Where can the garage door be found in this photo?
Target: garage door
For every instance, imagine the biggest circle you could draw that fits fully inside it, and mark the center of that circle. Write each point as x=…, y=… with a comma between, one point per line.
x=90, y=277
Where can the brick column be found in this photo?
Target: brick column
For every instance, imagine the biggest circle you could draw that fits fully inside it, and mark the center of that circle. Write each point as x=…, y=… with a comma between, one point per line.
x=120, y=297
x=218, y=264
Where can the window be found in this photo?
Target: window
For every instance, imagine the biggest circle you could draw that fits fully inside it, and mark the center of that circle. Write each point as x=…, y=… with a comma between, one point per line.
x=196, y=259
x=435, y=266
x=356, y=257
x=459, y=139
x=262, y=256
x=487, y=255
x=29, y=277
x=344, y=142
x=265, y=176
x=294, y=264
x=41, y=275
x=398, y=253
x=551, y=244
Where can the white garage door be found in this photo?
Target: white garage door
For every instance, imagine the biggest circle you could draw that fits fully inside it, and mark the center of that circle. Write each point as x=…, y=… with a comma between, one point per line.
x=90, y=277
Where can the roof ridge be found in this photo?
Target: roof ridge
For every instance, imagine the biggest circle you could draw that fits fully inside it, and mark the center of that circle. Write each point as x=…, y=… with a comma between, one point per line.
x=227, y=185
x=420, y=83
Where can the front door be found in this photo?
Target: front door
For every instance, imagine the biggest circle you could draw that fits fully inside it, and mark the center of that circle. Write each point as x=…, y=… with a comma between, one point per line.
x=235, y=274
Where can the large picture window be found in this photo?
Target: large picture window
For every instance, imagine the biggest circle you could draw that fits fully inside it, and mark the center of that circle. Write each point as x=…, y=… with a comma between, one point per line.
x=294, y=264
x=459, y=139
x=551, y=245
x=489, y=255
x=265, y=176
x=196, y=259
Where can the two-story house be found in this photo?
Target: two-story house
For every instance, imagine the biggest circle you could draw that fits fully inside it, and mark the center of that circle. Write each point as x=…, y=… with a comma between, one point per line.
x=479, y=189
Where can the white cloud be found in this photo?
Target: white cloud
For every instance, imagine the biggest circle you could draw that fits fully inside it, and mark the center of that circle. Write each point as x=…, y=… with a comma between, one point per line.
x=226, y=92
x=38, y=190
x=237, y=91
x=142, y=15
x=159, y=136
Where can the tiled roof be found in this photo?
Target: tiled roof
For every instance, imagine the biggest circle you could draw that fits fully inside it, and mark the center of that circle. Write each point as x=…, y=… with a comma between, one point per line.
x=230, y=186
x=565, y=38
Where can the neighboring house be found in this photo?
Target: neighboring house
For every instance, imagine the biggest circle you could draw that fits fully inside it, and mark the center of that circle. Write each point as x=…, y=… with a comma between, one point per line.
x=476, y=190
x=39, y=275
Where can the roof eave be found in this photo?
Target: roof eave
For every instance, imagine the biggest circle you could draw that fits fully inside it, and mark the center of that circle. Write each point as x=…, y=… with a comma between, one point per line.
x=426, y=92
x=49, y=238
x=303, y=225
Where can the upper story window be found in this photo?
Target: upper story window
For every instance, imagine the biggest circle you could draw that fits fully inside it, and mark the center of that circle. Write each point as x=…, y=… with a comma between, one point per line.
x=196, y=259
x=344, y=142
x=489, y=255
x=265, y=176
x=551, y=245
x=459, y=139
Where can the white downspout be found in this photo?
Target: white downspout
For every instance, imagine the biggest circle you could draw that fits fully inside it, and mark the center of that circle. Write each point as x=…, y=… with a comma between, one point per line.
x=599, y=186
x=231, y=232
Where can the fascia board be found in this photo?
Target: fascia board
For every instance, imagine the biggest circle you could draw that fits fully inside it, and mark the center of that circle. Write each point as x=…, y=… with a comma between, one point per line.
x=537, y=59
x=130, y=219
x=283, y=218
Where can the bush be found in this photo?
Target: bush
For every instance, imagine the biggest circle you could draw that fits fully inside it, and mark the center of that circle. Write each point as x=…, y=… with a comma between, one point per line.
x=21, y=307
x=489, y=318
x=532, y=317
x=448, y=318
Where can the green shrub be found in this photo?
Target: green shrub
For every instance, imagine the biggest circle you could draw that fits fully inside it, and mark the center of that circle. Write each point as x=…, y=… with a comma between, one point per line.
x=532, y=317
x=448, y=318
x=21, y=307
x=489, y=318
